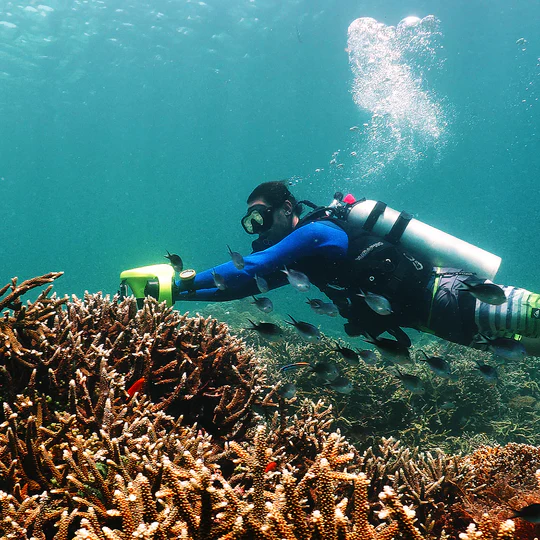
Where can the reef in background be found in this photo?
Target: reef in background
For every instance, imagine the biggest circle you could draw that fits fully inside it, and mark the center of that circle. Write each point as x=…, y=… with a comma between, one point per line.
x=119, y=423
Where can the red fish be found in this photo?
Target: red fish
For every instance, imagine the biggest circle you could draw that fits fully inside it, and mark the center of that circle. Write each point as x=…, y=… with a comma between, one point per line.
x=136, y=386
x=270, y=467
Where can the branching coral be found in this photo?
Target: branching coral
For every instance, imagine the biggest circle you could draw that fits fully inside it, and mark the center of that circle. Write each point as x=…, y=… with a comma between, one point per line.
x=82, y=458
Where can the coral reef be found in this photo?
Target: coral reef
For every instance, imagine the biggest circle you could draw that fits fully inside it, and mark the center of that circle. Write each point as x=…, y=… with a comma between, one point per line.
x=120, y=424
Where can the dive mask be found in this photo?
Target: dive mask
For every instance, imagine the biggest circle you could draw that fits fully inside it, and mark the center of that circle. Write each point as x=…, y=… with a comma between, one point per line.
x=258, y=219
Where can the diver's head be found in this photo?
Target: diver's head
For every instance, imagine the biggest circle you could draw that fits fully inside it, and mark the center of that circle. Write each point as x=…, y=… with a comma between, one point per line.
x=272, y=211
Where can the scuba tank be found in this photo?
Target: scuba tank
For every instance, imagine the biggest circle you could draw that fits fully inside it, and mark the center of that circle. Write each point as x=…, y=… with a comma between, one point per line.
x=439, y=248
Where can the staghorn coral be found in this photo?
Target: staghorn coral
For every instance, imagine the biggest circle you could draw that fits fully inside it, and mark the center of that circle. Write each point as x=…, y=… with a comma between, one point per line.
x=81, y=458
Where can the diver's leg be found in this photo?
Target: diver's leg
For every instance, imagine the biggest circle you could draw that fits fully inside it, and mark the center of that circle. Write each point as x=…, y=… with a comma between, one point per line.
x=518, y=318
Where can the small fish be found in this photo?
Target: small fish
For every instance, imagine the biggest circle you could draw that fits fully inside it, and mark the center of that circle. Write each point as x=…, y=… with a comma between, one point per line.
x=529, y=513
x=263, y=303
x=287, y=391
x=327, y=371
x=296, y=365
x=316, y=305
x=368, y=356
x=330, y=309
x=411, y=382
x=488, y=372
x=352, y=128
x=448, y=406
x=341, y=385
x=352, y=357
x=270, y=331
x=521, y=41
x=306, y=330
x=489, y=293
x=262, y=284
x=297, y=279
x=270, y=467
x=379, y=304
x=323, y=308
x=219, y=280
x=394, y=350
x=136, y=387
x=438, y=365
x=236, y=258
x=507, y=348
x=175, y=261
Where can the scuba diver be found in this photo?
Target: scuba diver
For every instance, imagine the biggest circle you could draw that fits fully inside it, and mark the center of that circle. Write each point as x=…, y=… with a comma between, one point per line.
x=384, y=270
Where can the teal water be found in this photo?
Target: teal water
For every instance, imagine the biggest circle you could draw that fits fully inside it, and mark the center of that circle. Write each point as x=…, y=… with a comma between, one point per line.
x=131, y=128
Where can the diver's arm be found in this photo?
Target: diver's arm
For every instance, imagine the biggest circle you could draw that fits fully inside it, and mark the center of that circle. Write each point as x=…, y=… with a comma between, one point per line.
x=322, y=239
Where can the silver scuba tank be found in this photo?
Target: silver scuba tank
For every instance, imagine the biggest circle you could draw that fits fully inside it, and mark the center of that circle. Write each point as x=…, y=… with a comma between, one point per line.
x=439, y=248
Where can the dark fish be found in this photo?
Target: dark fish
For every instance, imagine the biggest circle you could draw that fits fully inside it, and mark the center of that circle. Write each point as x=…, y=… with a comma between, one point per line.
x=507, y=348
x=411, y=382
x=352, y=357
x=438, y=365
x=488, y=372
x=529, y=513
x=489, y=293
x=270, y=331
x=296, y=365
x=448, y=406
x=368, y=356
x=175, y=261
x=262, y=284
x=325, y=370
x=342, y=385
x=323, y=308
x=394, y=350
x=236, y=258
x=297, y=279
x=263, y=303
x=379, y=304
x=306, y=330
x=219, y=280
x=287, y=391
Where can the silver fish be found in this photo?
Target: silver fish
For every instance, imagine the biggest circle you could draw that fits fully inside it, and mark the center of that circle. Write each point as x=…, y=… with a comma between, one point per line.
x=316, y=305
x=489, y=293
x=297, y=279
x=306, y=330
x=507, y=348
x=287, y=391
x=329, y=309
x=327, y=371
x=394, y=350
x=379, y=304
x=368, y=356
x=262, y=284
x=438, y=365
x=412, y=383
x=488, y=372
x=351, y=356
x=219, y=280
x=263, y=303
x=342, y=385
x=236, y=258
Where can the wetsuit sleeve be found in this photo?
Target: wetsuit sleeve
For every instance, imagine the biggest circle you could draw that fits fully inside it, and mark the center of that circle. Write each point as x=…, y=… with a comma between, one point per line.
x=314, y=239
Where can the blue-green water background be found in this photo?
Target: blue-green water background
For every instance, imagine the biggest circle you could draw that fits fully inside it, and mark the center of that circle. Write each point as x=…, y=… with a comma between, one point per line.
x=131, y=128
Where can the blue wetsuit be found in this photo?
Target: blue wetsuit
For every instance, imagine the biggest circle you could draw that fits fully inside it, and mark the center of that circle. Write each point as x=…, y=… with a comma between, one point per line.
x=310, y=246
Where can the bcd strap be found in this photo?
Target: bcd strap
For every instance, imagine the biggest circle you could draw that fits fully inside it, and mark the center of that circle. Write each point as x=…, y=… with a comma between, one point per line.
x=374, y=215
x=398, y=228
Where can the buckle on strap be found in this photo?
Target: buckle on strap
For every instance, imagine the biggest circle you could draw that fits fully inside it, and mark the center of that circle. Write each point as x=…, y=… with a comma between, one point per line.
x=374, y=215
x=398, y=228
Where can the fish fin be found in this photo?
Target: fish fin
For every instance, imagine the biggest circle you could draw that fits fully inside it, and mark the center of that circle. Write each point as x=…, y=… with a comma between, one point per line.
x=254, y=325
x=294, y=321
x=369, y=338
x=426, y=356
